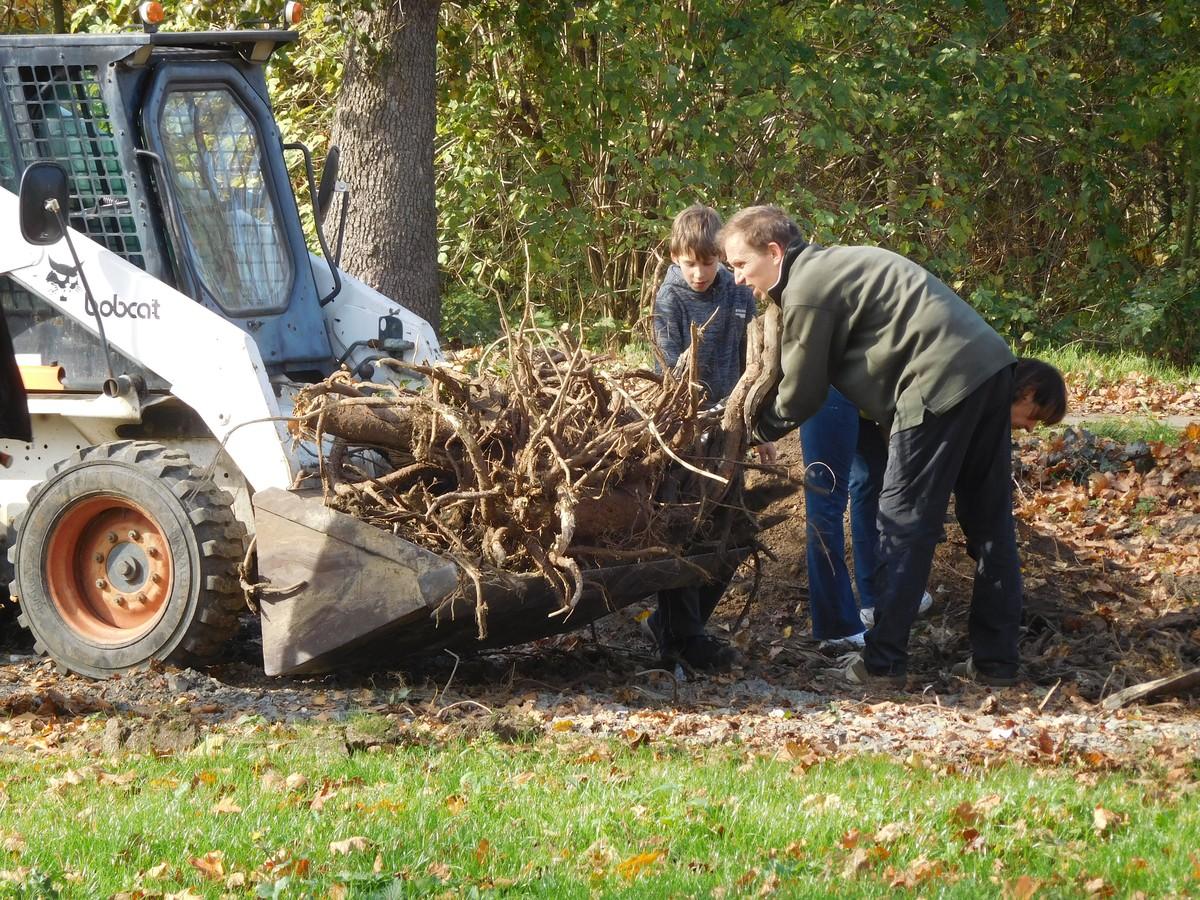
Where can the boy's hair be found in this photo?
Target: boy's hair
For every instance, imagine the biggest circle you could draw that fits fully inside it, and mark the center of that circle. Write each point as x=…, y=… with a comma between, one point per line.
x=1045, y=384
x=761, y=225
x=695, y=231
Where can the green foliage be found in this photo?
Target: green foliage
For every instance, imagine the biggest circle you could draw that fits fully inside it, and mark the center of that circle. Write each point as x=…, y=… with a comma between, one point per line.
x=468, y=319
x=1038, y=159
x=1042, y=159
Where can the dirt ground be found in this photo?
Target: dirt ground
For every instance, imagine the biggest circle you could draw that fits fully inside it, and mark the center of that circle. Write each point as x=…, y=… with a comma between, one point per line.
x=1094, y=623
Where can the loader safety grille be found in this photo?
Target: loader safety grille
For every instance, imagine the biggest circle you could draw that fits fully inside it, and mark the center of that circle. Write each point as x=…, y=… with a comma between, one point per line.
x=7, y=169
x=57, y=113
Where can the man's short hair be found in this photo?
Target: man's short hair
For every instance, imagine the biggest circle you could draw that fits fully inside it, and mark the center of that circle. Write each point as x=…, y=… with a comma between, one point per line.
x=761, y=225
x=695, y=231
x=1045, y=384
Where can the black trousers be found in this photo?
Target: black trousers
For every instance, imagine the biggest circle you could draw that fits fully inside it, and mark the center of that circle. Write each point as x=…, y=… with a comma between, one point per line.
x=967, y=451
x=683, y=612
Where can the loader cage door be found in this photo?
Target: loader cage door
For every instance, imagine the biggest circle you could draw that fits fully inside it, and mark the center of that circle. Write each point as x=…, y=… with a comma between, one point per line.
x=230, y=207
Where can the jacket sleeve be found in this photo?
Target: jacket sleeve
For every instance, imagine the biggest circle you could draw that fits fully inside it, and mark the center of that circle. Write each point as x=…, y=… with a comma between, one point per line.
x=667, y=334
x=751, y=311
x=804, y=358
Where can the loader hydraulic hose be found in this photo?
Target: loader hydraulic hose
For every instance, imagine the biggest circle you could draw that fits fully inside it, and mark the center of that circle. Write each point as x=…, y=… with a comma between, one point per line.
x=312, y=195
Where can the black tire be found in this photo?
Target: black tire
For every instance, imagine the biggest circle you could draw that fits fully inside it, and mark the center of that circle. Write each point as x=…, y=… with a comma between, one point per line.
x=192, y=614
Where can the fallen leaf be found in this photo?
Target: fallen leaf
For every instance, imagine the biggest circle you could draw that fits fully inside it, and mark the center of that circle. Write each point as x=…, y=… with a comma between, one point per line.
x=482, y=849
x=1023, y=888
x=211, y=863
x=13, y=843
x=1045, y=743
x=918, y=871
x=122, y=780
x=889, y=833
x=162, y=870
x=324, y=794
x=226, y=805
x=857, y=861
x=965, y=813
x=635, y=865
x=770, y=884
x=456, y=804
x=1104, y=821
x=349, y=845
x=296, y=782
x=1098, y=887
x=850, y=839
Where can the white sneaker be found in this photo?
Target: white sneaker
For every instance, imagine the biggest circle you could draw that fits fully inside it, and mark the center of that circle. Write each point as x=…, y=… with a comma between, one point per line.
x=867, y=614
x=843, y=644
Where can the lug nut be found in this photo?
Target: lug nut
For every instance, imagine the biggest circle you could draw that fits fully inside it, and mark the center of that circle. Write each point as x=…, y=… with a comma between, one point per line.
x=99, y=557
x=156, y=578
x=152, y=552
x=120, y=601
x=134, y=536
x=101, y=583
x=142, y=598
x=112, y=537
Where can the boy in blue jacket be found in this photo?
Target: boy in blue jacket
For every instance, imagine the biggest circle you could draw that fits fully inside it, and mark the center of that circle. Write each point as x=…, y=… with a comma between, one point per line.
x=699, y=291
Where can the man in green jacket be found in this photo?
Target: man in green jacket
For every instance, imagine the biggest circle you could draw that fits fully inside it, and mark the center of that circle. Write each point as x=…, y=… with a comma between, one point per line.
x=917, y=359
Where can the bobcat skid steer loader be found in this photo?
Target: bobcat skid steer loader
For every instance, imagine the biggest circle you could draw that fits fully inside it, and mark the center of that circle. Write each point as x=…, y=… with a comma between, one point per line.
x=164, y=310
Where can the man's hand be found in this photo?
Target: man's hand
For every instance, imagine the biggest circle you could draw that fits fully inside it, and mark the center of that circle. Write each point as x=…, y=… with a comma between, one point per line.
x=766, y=453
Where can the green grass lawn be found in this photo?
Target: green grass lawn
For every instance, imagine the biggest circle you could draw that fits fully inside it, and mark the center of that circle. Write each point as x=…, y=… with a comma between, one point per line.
x=271, y=815
x=1131, y=429
x=1102, y=368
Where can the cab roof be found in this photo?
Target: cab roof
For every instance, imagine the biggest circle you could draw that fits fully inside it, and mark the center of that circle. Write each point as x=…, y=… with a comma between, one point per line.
x=253, y=45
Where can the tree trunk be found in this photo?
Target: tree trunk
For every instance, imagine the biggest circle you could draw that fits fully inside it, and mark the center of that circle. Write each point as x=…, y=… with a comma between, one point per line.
x=385, y=124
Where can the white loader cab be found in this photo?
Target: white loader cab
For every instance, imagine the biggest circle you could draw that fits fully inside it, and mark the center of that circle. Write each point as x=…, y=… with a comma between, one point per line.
x=161, y=336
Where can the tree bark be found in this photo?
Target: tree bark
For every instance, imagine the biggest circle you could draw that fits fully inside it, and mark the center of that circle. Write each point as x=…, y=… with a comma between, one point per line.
x=385, y=126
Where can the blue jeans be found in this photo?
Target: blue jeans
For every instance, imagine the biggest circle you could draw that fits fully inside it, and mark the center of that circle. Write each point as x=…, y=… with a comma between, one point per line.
x=866, y=481
x=829, y=440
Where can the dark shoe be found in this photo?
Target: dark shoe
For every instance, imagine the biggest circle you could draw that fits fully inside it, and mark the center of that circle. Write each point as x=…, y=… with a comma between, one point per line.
x=857, y=675
x=705, y=653
x=968, y=671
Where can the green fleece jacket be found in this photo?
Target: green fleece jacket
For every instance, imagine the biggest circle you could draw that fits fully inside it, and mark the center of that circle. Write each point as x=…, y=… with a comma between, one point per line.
x=882, y=330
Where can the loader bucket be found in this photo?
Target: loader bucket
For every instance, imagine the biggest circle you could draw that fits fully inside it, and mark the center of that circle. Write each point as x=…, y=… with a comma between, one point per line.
x=344, y=593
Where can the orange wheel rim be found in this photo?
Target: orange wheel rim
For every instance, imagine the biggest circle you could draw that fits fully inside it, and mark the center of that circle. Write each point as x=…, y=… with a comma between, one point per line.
x=108, y=569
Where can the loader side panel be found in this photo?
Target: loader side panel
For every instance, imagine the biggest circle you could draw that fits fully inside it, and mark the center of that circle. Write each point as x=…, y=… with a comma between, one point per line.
x=43, y=336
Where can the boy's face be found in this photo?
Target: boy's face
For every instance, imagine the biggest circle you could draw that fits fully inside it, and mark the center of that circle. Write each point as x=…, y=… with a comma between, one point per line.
x=752, y=266
x=699, y=273
x=1026, y=414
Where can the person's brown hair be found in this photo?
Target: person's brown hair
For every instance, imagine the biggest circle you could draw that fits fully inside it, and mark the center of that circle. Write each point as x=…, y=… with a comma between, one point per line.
x=761, y=225
x=1045, y=385
x=695, y=231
